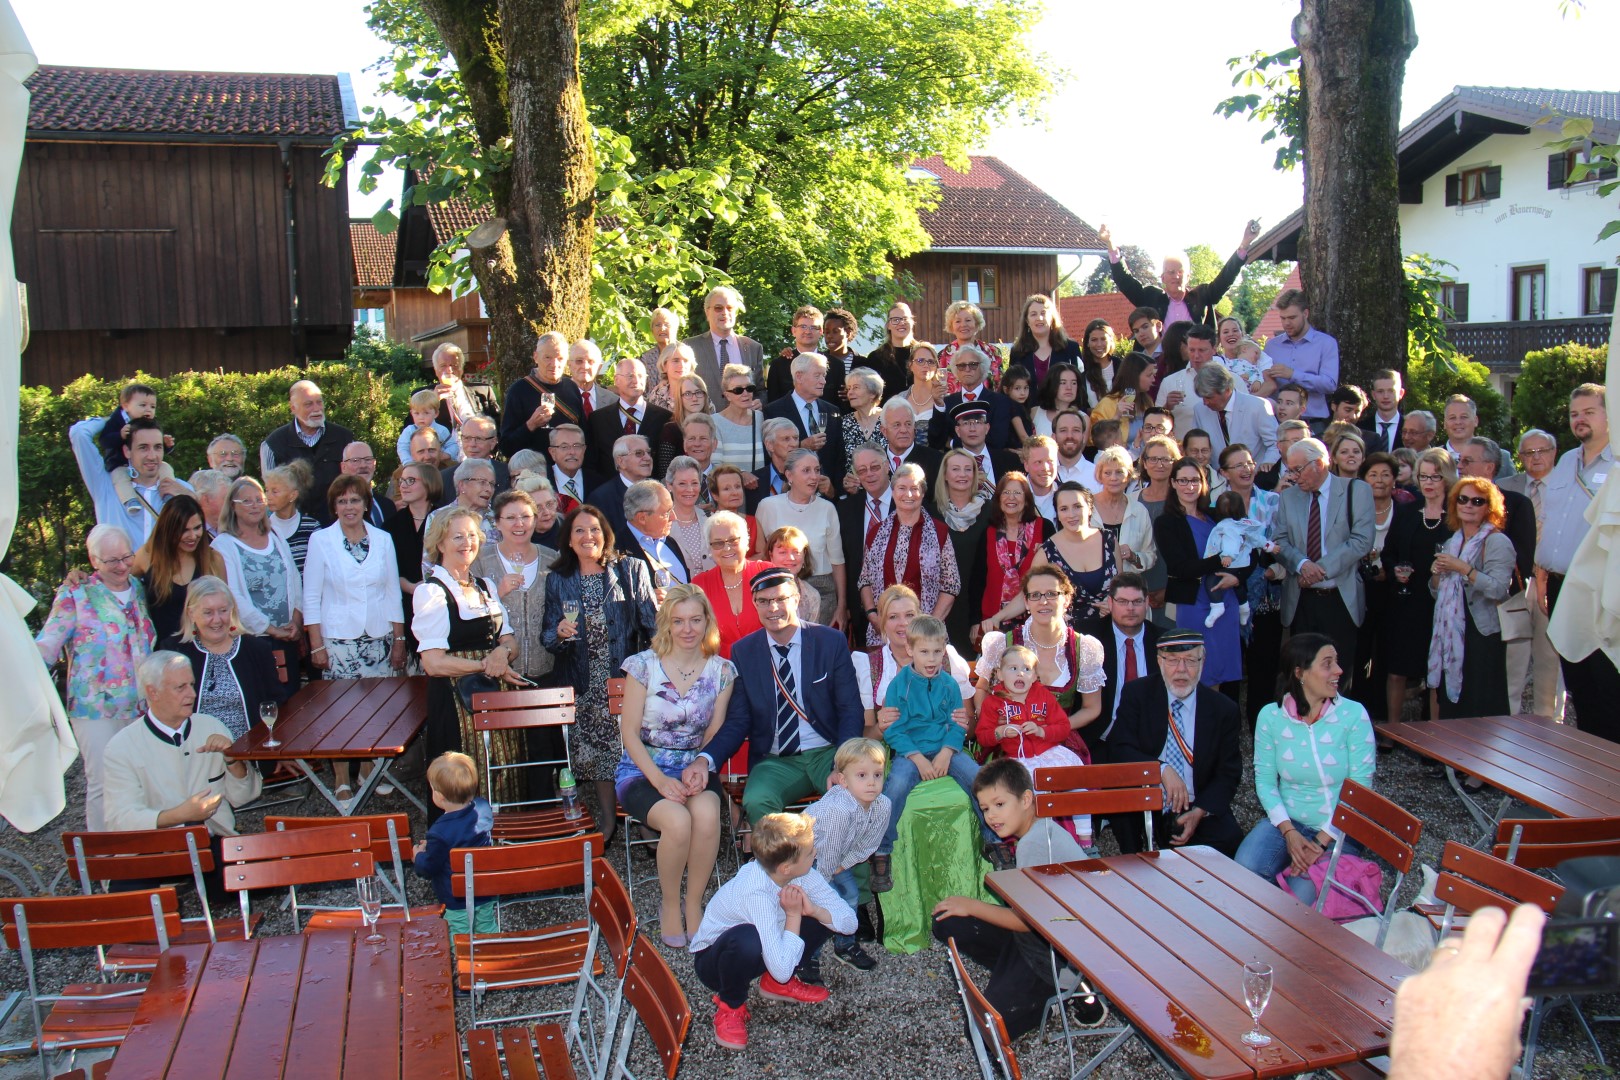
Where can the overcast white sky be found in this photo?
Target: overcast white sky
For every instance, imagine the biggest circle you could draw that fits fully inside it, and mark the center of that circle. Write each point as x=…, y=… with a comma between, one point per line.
x=1132, y=140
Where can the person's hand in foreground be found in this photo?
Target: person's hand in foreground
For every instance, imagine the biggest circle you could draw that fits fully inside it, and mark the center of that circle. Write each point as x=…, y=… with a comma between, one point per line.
x=1461, y=1017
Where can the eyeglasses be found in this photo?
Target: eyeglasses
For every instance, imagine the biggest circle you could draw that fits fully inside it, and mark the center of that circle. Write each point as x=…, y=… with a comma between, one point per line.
x=967, y=365
x=901, y=318
x=567, y=446
x=1041, y=597
x=925, y=361
x=121, y=560
x=408, y=481
x=1193, y=480
x=248, y=502
x=1189, y=661
x=1120, y=601
x=1429, y=478
x=739, y=390
x=1536, y=453
x=727, y=542
x=359, y=460
x=1158, y=460
x=1472, y=500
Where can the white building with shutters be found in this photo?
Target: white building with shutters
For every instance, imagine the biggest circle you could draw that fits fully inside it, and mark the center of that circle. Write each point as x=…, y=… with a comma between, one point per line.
x=1482, y=190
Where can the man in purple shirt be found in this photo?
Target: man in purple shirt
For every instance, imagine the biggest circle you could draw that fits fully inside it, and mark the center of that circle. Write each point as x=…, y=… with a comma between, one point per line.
x=1304, y=355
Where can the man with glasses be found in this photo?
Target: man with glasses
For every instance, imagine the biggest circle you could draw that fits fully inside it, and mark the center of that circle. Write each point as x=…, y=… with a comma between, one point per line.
x=861, y=514
x=479, y=439
x=1155, y=421
x=475, y=487
x=722, y=345
x=635, y=415
x=1531, y=658
x=1323, y=527
x=1191, y=731
x=358, y=460
x=1176, y=302
x=227, y=456
x=569, y=477
x=1130, y=652
x=650, y=511
x=806, y=328
x=971, y=421
x=971, y=366
x=632, y=463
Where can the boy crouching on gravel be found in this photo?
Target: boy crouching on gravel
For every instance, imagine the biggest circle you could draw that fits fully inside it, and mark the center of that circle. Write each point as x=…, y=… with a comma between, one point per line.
x=763, y=923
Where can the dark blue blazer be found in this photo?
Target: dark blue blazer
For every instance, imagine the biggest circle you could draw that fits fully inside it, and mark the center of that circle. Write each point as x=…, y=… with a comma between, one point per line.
x=941, y=432
x=828, y=694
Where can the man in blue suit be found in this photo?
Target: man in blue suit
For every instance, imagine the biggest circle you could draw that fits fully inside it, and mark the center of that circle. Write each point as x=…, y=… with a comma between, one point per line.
x=794, y=701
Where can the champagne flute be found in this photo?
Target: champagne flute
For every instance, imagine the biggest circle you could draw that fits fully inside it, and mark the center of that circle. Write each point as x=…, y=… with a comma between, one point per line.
x=1257, y=995
x=268, y=711
x=370, y=892
x=571, y=612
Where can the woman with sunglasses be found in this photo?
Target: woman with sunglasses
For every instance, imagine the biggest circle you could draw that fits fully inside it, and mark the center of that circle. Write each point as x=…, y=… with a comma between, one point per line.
x=1472, y=574
x=1418, y=532
x=740, y=424
x=1181, y=532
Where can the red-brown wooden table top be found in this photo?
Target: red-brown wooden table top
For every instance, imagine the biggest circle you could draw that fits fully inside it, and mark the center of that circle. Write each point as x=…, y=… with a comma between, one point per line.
x=1164, y=936
x=1538, y=761
x=317, y=1006
x=342, y=718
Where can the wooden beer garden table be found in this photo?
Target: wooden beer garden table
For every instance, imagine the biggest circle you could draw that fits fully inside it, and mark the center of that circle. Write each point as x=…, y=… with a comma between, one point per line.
x=344, y=719
x=1164, y=937
x=301, y=1007
x=1542, y=763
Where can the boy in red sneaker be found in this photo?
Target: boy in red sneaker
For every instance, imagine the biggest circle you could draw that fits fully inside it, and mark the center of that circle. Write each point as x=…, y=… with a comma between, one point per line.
x=763, y=923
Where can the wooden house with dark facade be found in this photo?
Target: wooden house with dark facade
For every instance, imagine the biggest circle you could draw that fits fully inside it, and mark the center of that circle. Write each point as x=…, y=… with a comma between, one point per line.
x=996, y=238
x=170, y=221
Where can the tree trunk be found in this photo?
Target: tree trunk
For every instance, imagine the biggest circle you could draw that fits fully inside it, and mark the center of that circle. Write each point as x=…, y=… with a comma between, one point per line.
x=519, y=60
x=1352, y=62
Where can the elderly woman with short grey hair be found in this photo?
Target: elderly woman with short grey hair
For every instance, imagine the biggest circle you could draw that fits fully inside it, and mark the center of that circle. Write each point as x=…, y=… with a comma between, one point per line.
x=475, y=487
x=864, y=421
x=817, y=518
x=101, y=628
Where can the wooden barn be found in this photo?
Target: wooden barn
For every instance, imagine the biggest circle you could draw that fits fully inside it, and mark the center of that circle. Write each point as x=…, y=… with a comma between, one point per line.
x=170, y=221
x=996, y=240
x=419, y=316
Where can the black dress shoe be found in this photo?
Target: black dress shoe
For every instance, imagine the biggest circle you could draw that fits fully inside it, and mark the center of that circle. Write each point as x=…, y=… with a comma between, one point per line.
x=864, y=930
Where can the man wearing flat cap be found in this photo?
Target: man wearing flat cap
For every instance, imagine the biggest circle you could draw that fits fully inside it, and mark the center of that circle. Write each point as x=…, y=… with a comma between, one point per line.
x=794, y=701
x=1191, y=730
x=971, y=421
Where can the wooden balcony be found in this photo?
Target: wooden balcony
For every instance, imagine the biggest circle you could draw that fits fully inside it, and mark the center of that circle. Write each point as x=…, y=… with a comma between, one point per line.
x=1501, y=346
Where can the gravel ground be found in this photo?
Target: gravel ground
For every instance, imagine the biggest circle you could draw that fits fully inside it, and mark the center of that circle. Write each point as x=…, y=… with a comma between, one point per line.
x=901, y=1020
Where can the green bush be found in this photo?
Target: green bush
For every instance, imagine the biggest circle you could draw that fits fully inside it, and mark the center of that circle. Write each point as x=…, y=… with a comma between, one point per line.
x=54, y=512
x=1541, y=397
x=1432, y=378
x=403, y=363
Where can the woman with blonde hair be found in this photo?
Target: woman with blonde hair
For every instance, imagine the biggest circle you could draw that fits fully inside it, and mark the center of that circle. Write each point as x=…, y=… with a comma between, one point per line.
x=259, y=565
x=962, y=502
x=1472, y=574
x=675, y=362
x=1416, y=535
x=926, y=389
x=675, y=699
x=964, y=321
x=666, y=331
x=235, y=673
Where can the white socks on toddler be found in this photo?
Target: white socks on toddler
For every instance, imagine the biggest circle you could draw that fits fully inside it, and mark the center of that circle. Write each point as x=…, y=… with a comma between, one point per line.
x=1216, y=610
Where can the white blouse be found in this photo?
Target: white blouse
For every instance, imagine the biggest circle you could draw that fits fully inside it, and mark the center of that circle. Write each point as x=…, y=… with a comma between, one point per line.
x=818, y=521
x=349, y=599
x=431, y=619
x=872, y=697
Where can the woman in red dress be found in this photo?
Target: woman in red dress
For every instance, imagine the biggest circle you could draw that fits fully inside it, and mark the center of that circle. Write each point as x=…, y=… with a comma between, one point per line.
x=726, y=583
x=1015, y=535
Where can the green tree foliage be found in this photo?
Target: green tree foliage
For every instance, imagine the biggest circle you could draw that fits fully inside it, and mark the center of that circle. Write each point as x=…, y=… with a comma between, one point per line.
x=1256, y=289
x=1434, y=368
x=1204, y=264
x=1273, y=98
x=1541, y=395
x=370, y=349
x=760, y=143
x=54, y=512
x=1140, y=264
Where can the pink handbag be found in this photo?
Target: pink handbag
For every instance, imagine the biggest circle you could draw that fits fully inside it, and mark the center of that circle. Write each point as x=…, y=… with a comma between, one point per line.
x=1361, y=876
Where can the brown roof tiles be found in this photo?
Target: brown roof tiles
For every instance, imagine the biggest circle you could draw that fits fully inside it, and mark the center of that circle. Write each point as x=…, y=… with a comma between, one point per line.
x=373, y=255
x=992, y=207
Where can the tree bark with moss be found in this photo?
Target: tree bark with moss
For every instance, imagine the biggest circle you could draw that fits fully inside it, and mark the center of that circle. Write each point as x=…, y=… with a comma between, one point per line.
x=1352, y=63
x=519, y=66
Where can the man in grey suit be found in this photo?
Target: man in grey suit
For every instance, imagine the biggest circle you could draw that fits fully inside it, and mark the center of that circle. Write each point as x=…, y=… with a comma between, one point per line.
x=1531, y=658
x=722, y=345
x=1323, y=528
x=1231, y=417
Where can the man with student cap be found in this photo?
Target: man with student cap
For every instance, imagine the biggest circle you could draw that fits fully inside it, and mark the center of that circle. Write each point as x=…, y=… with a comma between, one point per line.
x=793, y=701
x=971, y=422
x=1191, y=730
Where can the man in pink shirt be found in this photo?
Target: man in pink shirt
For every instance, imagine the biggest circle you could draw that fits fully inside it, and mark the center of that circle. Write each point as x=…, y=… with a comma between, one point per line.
x=1175, y=302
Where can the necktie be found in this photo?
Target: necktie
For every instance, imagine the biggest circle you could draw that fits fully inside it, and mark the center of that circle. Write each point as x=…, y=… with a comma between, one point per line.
x=587, y=398
x=571, y=486
x=1130, y=660
x=723, y=346
x=1535, y=500
x=809, y=420
x=1226, y=434
x=1313, y=530
x=1172, y=755
x=629, y=421
x=787, y=715
x=1383, y=433
x=896, y=458
x=970, y=395
x=873, y=519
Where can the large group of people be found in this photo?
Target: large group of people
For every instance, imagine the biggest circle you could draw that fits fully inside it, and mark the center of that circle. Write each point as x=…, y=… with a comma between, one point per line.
x=1062, y=552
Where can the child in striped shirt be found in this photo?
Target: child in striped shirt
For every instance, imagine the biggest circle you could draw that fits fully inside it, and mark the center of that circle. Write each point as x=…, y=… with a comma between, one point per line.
x=850, y=821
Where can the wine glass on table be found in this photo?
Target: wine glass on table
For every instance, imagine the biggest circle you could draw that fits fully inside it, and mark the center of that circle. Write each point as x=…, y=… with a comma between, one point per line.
x=370, y=891
x=268, y=712
x=1257, y=995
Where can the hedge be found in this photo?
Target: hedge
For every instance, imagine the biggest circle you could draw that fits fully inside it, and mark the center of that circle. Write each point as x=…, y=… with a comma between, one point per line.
x=1433, y=378
x=54, y=512
x=1541, y=396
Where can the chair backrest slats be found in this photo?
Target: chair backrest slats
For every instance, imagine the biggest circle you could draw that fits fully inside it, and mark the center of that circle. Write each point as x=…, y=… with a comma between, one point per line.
x=1115, y=801
x=523, y=719
x=305, y=870
x=382, y=845
x=1093, y=777
x=535, y=697
x=73, y=922
x=252, y=847
x=613, y=913
x=653, y=991
x=1470, y=880
x=510, y=869
x=140, y=855
x=1544, y=843
x=1099, y=789
x=1366, y=817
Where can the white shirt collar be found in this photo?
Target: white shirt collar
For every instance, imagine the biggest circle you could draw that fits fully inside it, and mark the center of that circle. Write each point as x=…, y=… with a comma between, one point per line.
x=165, y=728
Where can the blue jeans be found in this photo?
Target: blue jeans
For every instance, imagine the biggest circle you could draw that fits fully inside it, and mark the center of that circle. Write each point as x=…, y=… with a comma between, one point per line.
x=903, y=776
x=1265, y=852
x=845, y=885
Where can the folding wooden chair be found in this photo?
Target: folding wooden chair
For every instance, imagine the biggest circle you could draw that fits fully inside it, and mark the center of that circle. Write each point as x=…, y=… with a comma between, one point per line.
x=164, y=855
x=527, y=820
x=94, y=1014
x=1583, y=853
x=1470, y=880
x=661, y=1007
x=1384, y=829
x=614, y=925
x=519, y=1053
x=1101, y=789
x=987, y=1031
x=390, y=846
x=549, y=955
x=273, y=860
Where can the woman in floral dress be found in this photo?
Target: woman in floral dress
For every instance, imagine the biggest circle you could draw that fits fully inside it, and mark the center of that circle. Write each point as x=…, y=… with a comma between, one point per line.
x=674, y=701
x=600, y=608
